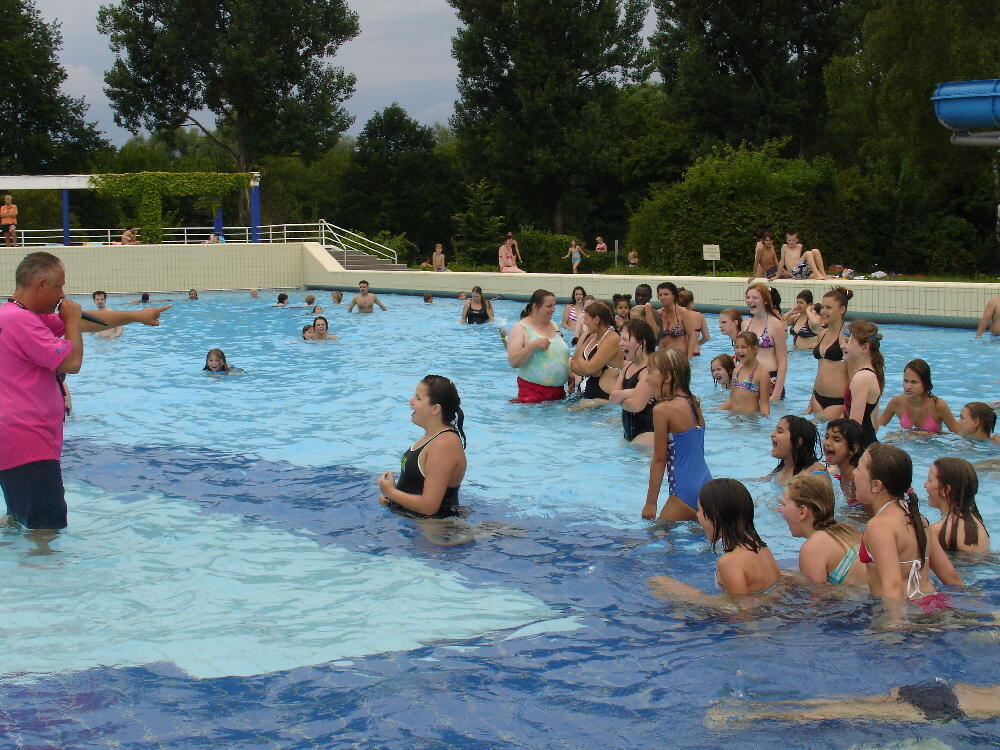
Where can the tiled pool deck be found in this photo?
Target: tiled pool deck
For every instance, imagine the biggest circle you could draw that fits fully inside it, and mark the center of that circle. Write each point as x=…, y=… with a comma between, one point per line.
x=158, y=268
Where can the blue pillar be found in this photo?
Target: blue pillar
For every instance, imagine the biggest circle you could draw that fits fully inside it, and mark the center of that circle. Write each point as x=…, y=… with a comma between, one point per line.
x=218, y=220
x=255, y=208
x=65, y=216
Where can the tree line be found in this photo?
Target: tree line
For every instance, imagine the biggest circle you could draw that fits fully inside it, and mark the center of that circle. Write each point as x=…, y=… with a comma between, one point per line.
x=732, y=117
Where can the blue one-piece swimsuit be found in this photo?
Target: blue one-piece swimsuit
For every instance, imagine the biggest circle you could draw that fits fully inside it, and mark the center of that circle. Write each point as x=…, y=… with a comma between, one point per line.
x=686, y=463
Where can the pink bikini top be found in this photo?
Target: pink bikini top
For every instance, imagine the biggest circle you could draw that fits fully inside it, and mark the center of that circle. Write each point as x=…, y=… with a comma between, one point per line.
x=931, y=423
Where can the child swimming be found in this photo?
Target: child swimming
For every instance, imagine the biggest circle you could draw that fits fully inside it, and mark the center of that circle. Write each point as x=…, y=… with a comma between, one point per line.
x=215, y=362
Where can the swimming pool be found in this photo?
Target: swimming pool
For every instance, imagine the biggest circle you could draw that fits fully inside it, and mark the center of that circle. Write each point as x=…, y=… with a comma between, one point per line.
x=228, y=578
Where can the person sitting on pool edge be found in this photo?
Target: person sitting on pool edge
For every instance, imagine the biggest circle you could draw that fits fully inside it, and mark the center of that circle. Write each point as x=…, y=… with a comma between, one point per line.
x=431, y=470
x=364, y=300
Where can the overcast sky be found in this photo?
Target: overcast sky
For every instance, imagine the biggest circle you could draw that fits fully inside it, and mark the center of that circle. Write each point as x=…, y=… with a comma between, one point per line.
x=402, y=54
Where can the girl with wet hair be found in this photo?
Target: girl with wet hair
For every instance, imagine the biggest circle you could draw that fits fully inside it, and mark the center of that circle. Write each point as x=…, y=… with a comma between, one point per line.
x=215, y=361
x=793, y=443
x=321, y=330
x=750, y=385
x=831, y=372
x=830, y=552
x=977, y=421
x=632, y=390
x=477, y=309
x=842, y=451
x=951, y=487
x=896, y=549
x=865, y=387
x=678, y=439
x=725, y=512
x=722, y=367
x=917, y=408
x=431, y=470
x=676, y=327
x=773, y=341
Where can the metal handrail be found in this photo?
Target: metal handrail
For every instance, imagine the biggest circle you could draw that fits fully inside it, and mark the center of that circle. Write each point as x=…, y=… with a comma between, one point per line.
x=337, y=240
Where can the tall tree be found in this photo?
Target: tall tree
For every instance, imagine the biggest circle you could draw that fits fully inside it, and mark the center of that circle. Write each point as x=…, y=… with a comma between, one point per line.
x=397, y=181
x=259, y=67
x=751, y=70
x=537, y=79
x=44, y=130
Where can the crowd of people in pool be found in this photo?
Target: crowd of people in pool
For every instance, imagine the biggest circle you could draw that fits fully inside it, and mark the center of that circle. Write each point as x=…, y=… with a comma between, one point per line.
x=638, y=357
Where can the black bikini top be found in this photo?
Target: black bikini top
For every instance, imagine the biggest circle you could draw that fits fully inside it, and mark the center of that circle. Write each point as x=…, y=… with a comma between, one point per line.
x=833, y=352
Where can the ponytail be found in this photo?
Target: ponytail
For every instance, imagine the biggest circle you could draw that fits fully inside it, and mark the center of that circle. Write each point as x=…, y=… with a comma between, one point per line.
x=867, y=333
x=917, y=521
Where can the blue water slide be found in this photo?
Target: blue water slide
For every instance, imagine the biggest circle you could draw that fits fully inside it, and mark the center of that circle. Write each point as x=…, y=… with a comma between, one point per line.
x=965, y=106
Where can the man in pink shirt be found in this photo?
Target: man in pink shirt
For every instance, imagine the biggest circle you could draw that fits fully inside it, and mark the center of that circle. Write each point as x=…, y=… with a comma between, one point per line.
x=38, y=346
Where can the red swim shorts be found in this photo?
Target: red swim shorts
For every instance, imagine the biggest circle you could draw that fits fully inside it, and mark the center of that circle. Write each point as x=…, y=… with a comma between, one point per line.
x=533, y=393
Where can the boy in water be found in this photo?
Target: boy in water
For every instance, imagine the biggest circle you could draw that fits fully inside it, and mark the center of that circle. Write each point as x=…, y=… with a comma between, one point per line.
x=364, y=300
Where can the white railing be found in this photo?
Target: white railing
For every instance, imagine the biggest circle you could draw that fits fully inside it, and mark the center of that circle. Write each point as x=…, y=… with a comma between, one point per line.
x=337, y=240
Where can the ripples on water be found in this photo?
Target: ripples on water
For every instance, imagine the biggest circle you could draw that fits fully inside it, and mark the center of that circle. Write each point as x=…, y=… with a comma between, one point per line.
x=228, y=526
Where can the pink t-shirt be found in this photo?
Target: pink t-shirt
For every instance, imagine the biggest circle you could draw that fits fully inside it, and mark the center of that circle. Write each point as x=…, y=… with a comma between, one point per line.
x=31, y=402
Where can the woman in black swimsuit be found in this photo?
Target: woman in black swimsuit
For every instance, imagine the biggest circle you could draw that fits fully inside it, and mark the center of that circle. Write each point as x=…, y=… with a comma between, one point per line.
x=633, y=390
x=864, y=389
x=831, y=375
x=803, y=321
x=597, y=356
x=432, y=469
x=477, y=309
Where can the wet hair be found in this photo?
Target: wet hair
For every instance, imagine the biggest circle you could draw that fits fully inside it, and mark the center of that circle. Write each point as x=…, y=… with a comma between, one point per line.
x=728, y=505
x=963, y=484
x=733, y=314
x=841, y=294
x=363, y=282
x=319, y=318
x=685, y=297
x=804, y=438
x=102, y=293
x=893, y=467
x=306, y=327
x=441, y=391
x=853, y=435
x=765, y=234
x=221, y=355
x=487, y=305
x=428, y=297
x=600, y=311
x=34, y=265
x=923, y=371
x=816, y=494
x=747, y=337
x=144, y=297
x=984, y=414
x=339, y=294
x=775, y=298
x=867, y=333
x=642, y=332
x=536, y=300
x=805, y=295
x=310, y=299
x=765, y=294
x=671, y=362
x=728, y=363
x=670, y=286
x=572, y=296
x=282, y=298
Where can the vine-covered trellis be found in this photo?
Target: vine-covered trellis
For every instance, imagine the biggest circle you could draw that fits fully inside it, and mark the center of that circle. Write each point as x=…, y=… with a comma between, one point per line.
x=149, y=188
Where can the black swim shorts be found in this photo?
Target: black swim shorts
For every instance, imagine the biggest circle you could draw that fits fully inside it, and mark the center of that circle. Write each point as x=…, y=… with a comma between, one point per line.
x=935, y=700
x=34, y=494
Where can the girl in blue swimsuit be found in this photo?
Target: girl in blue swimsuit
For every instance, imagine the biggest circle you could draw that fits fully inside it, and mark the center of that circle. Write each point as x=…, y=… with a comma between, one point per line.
x=678, y=439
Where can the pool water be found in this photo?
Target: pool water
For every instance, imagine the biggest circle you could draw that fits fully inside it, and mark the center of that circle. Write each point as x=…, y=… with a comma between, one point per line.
x=228, y=578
